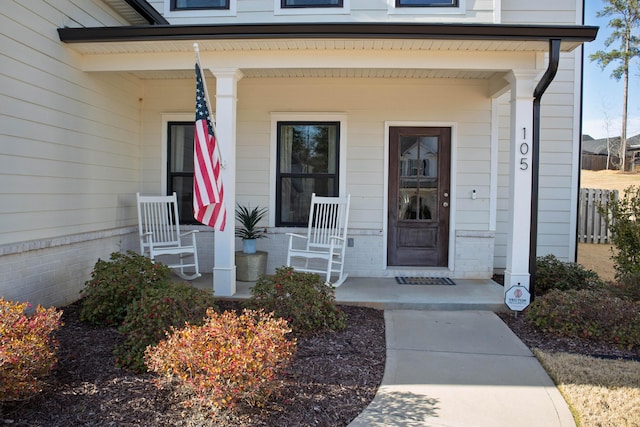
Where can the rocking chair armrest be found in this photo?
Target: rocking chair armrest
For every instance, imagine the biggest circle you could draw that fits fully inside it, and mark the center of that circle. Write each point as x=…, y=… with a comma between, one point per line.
x=191, y=233
x=148, y=236
x=300, y=236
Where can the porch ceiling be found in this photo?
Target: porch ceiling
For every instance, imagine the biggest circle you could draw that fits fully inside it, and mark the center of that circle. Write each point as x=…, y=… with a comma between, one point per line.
x=183, y=46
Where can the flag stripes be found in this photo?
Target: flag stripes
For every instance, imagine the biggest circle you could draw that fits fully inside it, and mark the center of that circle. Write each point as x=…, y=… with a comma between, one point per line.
x=208, y=192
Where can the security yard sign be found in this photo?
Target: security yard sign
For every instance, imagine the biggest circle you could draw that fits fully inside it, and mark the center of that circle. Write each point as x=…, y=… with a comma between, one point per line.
x=517, y=298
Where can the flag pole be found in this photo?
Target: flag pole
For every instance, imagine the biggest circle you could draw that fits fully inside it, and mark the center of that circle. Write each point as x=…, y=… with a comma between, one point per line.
x=196, y=48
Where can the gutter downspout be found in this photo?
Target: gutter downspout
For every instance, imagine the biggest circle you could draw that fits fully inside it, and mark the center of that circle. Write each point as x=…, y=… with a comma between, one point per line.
x=543, y=84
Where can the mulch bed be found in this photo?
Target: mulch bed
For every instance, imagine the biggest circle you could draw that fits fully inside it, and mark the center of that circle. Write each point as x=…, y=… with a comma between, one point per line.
x=333, y=377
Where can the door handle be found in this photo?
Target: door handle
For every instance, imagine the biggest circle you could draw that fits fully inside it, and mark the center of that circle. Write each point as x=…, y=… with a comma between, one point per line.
x=445, y=204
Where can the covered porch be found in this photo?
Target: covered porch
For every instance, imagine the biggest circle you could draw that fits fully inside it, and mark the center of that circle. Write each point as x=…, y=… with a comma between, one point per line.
x=367, y=80
x=384, y=293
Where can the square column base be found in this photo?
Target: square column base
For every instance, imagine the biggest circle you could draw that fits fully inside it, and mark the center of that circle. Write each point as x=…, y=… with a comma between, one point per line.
x=512, y=279
x=224, y=281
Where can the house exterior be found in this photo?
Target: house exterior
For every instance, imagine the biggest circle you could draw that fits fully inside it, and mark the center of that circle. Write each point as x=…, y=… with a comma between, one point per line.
x=429, y=113
x=596, y=153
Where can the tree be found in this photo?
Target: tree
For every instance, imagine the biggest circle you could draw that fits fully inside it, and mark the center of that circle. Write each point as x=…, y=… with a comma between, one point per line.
x=625, y=17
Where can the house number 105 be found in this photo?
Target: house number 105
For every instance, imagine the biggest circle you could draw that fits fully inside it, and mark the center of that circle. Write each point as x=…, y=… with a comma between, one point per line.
x=524, y=150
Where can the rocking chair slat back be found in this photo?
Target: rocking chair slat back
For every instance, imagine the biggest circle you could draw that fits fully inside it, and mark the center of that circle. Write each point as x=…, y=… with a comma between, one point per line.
x=323, y=249
x=326, y=219
x=159, y=232
x=159, y=218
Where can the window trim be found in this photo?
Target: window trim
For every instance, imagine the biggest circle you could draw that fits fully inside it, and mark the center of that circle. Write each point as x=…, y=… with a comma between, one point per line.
x=427, y=10
x=199, y=13
x=183, y=120
x=322, y=117
x=311, y=10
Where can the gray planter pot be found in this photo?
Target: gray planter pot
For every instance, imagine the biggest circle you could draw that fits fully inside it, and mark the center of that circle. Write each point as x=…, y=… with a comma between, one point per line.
x=249, y=267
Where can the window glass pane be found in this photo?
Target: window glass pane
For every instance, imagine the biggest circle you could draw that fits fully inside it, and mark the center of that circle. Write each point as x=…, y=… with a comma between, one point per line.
x=308, y=148
x=181, y=148
x=183, y=186
x=418, y=196
x=311, y=3
x=295, y=197
x=308, y=163
x=400, y=3
x=180, y=167
x=200, y=4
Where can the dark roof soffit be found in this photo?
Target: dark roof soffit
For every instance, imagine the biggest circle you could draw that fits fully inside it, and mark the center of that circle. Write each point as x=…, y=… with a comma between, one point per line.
x=354, y=30
x=147, y=12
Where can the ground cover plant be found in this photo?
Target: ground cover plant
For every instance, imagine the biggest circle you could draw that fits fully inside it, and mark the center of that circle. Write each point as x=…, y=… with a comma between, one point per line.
x=28, y=349
x=116, y=283
x=574, y=303
x=231, y=358
x=155, y=312
x=303, y=299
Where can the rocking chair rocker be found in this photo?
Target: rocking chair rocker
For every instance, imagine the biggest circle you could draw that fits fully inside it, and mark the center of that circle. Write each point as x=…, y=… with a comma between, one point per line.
x=159, y=230
x=322, y=250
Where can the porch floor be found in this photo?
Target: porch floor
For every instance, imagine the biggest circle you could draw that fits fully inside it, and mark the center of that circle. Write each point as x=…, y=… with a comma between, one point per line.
x=385, y=294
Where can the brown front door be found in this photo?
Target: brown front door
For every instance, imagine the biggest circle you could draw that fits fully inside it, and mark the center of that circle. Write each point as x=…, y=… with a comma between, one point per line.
x=419, y=165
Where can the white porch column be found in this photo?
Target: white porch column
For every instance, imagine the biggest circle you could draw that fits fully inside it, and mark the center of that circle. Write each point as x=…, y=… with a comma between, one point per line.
x=522, y=86
x=224, y=268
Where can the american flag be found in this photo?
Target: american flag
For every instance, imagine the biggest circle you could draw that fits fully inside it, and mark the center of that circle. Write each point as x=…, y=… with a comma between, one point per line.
x=208, y=194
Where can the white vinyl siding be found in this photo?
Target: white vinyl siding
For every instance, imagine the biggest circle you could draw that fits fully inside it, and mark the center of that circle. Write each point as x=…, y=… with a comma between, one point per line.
x=69, y=139
x=567, y=12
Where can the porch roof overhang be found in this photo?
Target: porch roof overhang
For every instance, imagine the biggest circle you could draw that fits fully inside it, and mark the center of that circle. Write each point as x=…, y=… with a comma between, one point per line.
x=481, y=37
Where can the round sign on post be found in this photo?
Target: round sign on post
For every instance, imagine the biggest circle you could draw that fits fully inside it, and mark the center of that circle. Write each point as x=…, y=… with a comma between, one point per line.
x=517, y=298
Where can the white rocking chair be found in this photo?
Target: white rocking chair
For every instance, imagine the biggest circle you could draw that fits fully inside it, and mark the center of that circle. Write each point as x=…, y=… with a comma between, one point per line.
x=159, y=230
x=323, y=248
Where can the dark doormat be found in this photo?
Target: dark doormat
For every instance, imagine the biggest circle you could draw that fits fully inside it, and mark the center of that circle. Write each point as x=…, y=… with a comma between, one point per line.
x=424, y=280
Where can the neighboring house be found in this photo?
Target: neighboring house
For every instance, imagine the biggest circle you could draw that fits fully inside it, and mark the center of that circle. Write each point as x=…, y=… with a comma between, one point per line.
x=596, y=151
x=422, y=110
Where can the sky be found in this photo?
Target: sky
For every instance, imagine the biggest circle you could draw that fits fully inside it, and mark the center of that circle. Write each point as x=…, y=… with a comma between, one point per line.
x=603, y=95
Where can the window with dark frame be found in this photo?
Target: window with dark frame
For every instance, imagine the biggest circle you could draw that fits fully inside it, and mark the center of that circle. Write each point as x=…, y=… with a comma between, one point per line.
x=427, y=3
x=307, y=162
x=310, y=3
x=180, y=167
x=199, y=4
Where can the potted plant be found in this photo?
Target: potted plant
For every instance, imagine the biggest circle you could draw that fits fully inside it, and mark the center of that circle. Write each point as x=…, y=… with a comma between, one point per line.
x=248, y=229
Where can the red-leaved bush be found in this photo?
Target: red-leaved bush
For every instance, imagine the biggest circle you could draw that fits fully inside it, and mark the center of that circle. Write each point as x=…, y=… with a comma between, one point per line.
x=230, y=358
x=27, y=348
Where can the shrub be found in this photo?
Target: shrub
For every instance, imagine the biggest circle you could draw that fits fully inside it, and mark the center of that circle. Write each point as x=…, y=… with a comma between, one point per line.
x=116, y=283
x=628, y=287
x=303, y=299
x=623, y=214
x=27, y=348
x=590, y=314
x=230, y=358
x=551, y=273
x=155, y=312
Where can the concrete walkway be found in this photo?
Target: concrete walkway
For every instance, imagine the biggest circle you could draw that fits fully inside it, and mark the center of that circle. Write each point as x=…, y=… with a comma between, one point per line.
x=461, y=368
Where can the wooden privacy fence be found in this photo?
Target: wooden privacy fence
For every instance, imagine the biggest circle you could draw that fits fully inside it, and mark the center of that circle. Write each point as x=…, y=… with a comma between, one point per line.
x=592, y=227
